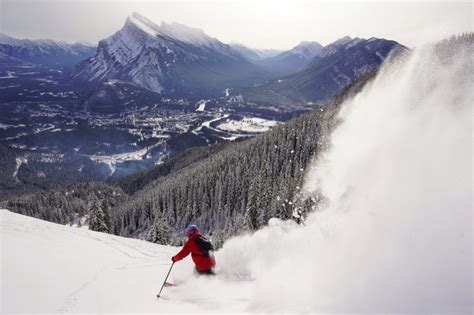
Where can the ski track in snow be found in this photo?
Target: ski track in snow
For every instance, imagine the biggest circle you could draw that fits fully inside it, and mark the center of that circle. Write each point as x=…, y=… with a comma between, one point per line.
x=121, y=246
x=70, y=303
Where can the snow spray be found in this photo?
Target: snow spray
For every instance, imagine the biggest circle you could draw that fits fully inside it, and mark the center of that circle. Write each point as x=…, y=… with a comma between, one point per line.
x=395, y=234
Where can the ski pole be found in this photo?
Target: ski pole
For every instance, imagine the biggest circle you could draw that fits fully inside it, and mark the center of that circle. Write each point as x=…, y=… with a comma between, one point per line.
x=165, y=279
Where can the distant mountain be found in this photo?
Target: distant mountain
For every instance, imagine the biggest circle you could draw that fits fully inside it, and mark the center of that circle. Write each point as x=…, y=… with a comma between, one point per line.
x=333, y=68
x=166, y=59
x=44, y=51
x=253, y=54
x=294, y=59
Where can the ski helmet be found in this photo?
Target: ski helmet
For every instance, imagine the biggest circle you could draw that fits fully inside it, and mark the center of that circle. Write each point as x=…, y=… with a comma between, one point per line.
x=191, y=229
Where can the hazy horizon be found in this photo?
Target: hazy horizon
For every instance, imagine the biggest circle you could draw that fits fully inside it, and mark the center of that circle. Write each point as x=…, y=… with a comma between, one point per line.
x=259, y=24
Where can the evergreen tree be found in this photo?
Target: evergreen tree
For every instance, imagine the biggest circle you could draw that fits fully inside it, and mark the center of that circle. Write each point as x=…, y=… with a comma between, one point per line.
x=159, y=232
x=97, y=217
x=106, y=210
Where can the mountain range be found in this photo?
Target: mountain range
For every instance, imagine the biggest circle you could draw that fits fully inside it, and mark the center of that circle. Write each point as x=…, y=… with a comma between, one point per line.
x=167, y=59
x=174, y=59
x=332, y=68
x=44, y=51
x=177, y=60
x=253, y=54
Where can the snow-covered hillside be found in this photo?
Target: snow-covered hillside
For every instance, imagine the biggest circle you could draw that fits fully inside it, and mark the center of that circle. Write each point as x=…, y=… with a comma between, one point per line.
x=50, y=268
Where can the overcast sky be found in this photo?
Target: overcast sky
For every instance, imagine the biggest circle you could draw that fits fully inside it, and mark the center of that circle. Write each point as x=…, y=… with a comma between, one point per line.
x=255, y=23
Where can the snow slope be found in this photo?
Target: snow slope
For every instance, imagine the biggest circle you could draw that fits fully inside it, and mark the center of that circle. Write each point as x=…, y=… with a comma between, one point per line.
x=51, y=268
x=248, y=124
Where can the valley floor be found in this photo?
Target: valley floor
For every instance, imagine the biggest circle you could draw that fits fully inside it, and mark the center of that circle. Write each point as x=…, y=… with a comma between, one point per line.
x=50, y=268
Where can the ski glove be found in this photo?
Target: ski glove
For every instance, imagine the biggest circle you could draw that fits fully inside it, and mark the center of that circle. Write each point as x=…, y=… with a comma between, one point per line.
x=173, y=259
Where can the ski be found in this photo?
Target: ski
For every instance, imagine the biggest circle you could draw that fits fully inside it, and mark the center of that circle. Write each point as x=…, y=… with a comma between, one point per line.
x=168, y=284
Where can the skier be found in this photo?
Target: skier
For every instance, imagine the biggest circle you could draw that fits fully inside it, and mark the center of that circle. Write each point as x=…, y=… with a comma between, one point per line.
x=200, y=249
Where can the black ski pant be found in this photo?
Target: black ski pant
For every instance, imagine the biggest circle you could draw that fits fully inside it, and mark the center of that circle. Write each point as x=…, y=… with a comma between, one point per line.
x=208, y=272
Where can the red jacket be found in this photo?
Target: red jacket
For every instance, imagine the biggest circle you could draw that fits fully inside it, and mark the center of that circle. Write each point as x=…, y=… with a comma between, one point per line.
x=202, y=262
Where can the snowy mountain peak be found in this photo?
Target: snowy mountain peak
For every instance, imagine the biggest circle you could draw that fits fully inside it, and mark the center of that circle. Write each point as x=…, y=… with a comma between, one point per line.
x=178, y=26
x=185, y=33
x=139, y=17
x=345, y=42
x=142, y=23
x=294, y=59
x=342, y=41
x=307, y=49
x=6, y=40
x=253, y=53
x=174, y=30
x=308, y=44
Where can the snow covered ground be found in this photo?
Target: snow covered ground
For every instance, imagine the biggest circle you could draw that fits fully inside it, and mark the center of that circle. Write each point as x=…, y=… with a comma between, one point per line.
x=201, y=105
x=51, y=268
x=208, y=123
x=248, y=124
x=9, y=75
x=112, y=160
